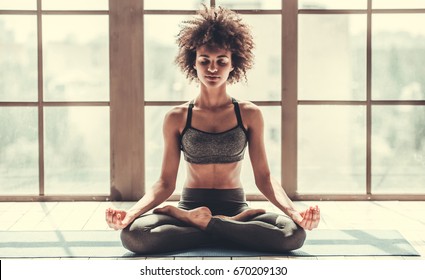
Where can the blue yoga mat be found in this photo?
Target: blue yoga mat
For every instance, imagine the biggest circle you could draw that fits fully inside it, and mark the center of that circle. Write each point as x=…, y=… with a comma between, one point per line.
x=99, y=244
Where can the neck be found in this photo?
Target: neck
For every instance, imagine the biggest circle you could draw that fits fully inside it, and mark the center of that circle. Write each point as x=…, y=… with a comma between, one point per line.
x=212, y=97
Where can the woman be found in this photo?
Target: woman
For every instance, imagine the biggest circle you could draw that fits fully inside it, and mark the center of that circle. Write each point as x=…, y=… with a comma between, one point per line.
x=213, y=131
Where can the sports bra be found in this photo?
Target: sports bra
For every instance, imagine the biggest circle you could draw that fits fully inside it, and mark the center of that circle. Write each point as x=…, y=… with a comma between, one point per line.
x=201, y=147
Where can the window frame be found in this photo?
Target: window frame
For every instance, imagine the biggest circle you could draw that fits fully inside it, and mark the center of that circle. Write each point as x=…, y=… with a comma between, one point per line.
x=40, y=104
x=127, y=100
x=369, y=103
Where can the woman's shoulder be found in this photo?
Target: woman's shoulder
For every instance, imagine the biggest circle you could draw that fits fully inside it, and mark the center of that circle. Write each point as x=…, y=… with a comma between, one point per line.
x=177, y=114
x=248, y=108
x=251, y=114
x=178, y=110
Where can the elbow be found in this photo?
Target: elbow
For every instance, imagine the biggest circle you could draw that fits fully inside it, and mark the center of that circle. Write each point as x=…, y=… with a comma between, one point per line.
x=263, y=180
x=166, y=186
x=169, y=188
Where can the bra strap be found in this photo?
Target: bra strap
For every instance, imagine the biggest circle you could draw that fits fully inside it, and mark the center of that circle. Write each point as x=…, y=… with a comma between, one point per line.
x=237, y=112
x=189, y=114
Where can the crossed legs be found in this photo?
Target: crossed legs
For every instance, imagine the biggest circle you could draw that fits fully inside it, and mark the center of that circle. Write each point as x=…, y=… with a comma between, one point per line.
x=171, y=228
x=158, y=233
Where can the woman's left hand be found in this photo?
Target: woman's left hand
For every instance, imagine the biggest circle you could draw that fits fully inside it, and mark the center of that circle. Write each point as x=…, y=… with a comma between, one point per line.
x=308, y=219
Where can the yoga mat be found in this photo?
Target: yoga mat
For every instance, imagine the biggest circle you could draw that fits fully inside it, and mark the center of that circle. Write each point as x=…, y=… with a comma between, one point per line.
x=106, y=244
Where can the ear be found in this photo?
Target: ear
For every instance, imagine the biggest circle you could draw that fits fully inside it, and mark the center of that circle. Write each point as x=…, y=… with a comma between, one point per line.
x=194, y=67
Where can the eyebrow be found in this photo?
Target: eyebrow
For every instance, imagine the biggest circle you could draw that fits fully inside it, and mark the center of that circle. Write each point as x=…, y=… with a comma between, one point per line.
x=220, y=56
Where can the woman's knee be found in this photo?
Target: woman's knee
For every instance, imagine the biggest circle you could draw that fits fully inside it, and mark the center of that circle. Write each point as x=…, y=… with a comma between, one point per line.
x=294, y=238
x=291, y=236
x=129, y=240
x=135, y=240
x=298, y=238
x=138, y=237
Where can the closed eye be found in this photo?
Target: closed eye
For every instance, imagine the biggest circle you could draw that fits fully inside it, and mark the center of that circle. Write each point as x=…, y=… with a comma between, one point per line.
x=222, y=62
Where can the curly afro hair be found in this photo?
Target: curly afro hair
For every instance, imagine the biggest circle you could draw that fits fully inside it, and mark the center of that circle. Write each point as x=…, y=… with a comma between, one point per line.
x=216, y=28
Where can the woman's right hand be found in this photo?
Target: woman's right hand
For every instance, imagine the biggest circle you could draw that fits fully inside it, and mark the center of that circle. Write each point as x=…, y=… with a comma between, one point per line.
x=117, y=219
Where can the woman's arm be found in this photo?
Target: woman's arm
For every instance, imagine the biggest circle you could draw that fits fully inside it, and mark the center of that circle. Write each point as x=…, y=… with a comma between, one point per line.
x=268, y=186
x=165, y=185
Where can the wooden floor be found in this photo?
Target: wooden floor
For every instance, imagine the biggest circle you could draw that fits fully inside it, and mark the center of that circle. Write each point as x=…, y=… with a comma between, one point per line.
x=406, y=217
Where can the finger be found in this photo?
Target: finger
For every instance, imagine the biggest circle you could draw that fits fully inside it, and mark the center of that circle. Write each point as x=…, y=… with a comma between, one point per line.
x=310, y=213
x=315, y=214
x=309, y=222
x=117, y=225
x=113, y=217
x=120, y=221
x=117, y=219
x=313, y=218
x=109, y=214
x=314, y=223
x=319, y=216
x=304, y=221
x=317, y=211
x=316, y=218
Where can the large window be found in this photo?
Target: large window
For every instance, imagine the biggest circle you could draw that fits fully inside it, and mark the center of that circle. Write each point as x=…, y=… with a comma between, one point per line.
x=361, y=96
x=84, y=87
x=54, y=98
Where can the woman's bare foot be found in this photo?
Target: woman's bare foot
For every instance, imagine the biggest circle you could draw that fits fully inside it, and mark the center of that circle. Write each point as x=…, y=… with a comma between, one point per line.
x=244, y=215
x=198, y=217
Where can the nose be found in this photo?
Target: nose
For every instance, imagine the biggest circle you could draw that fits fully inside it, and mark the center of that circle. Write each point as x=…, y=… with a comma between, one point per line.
x=212, y=68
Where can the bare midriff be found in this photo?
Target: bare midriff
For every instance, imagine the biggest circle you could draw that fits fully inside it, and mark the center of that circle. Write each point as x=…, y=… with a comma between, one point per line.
x=214, y=176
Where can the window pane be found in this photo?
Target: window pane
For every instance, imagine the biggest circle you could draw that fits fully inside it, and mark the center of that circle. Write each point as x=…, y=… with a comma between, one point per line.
x=154, y=148
x=398, y=4
x=163, y=79
x=76, y=58
x=398, y=42
x=174, y=5
x=77, y=150
x=19, y=151
x=75, y=5
x=18, y=59
x=243, y=4
x=332, y=149
x=398, y=149
x=273, y=142
x=264, y=79
x=333, y=4
x=18, y=5
x=332, y=57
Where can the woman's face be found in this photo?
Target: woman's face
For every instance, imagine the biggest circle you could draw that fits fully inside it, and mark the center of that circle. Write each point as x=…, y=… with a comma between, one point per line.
x=213, y=66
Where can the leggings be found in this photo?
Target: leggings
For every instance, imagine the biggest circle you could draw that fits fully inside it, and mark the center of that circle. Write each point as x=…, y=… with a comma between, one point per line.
x=158, y=233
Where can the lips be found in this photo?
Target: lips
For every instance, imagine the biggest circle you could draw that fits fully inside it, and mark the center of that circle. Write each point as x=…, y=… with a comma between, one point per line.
x=212, y=77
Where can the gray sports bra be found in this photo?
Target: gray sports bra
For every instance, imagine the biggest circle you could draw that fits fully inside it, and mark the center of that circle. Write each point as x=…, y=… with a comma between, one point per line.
x=203, y=147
